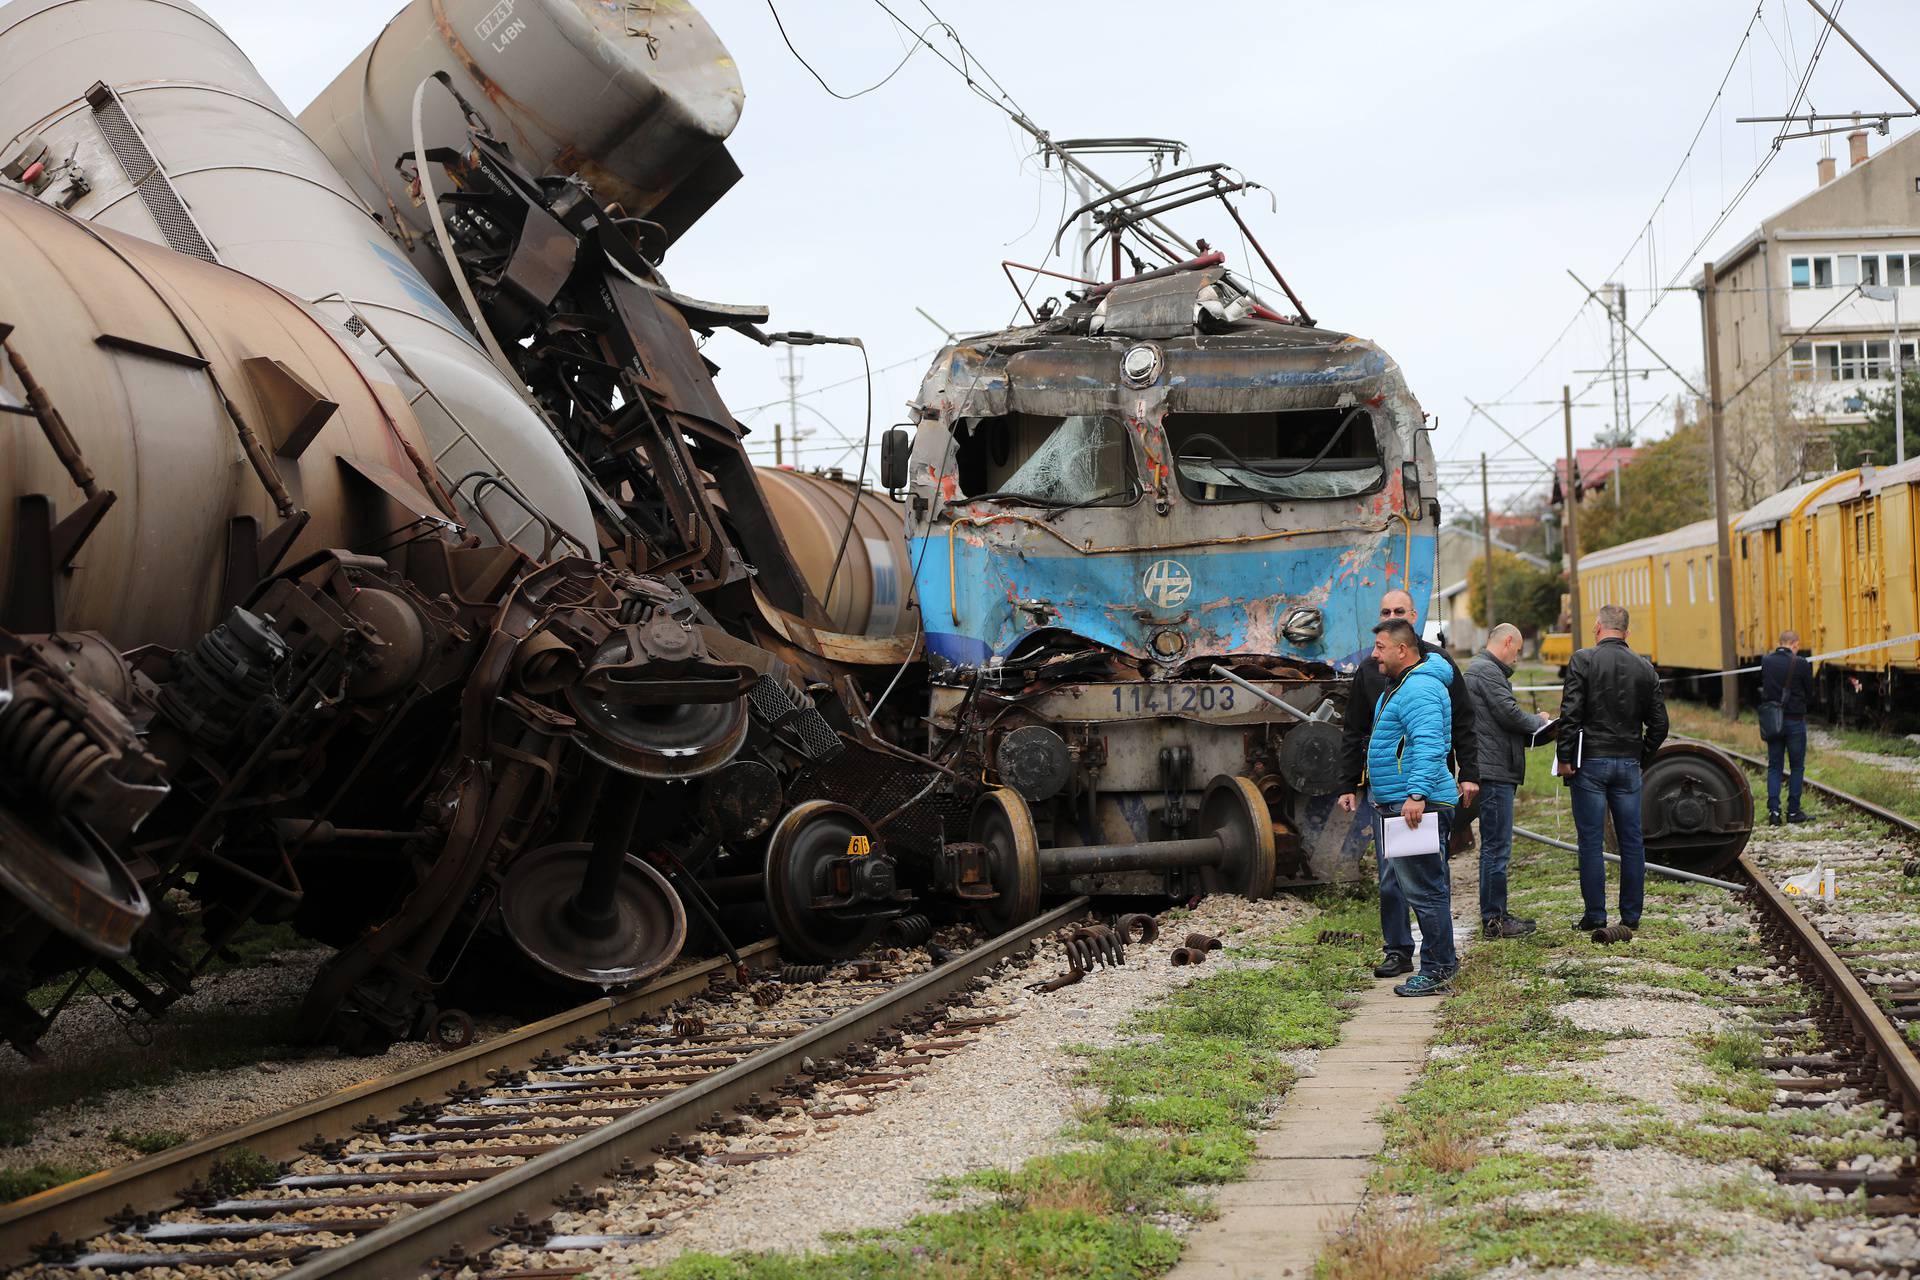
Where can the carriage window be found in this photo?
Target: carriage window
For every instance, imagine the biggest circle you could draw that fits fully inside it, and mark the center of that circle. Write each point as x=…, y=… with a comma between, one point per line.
x=1048, y=461
x=1301, y=453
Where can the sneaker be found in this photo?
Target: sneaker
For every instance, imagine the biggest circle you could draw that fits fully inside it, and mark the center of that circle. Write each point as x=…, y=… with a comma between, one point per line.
x=1589, y=923
x=1773, y=817
x=1421, y=984
x=1394, y=965
x=1798, y=817
x=1507, y=927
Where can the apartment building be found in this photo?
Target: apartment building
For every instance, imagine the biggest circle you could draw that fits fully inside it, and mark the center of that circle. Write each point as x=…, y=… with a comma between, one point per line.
x=1793, y=286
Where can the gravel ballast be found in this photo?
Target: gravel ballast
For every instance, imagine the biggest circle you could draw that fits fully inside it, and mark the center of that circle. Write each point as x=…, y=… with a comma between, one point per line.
x=994, y=1105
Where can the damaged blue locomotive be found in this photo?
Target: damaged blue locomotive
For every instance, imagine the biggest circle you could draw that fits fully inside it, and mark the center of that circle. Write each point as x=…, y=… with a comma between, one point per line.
x=1149, y=534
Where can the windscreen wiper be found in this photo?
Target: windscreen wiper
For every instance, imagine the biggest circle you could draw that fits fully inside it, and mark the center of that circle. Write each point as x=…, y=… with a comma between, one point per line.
x=1130, y=492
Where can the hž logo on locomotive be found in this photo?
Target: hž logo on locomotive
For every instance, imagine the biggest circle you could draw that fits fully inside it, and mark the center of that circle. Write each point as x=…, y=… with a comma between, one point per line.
x=499, y=28
x=1167, y=583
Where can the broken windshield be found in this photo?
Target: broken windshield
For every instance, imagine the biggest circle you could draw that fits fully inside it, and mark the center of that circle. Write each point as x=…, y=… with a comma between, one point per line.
x=1048, y=461
x=1301, y=454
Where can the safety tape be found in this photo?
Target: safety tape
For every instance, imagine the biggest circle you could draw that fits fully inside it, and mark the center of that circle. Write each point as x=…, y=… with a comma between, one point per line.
x=1741, y=671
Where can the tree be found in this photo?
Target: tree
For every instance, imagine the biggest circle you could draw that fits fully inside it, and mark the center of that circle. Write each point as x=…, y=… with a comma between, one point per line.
x=1526, y=596
x=1665, y=487
x=1876, y=433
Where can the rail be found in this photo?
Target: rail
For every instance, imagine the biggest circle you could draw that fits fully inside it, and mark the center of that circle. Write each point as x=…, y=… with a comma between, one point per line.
x=81, y=1209
x=406, y=1247
x=1890, y=1065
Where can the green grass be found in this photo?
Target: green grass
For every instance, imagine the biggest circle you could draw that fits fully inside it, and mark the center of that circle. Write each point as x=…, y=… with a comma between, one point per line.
x=1756, y=1138
x=1178, y=1101
x=1560, y=1238
x=240, y=1169
x=1781, y=1204
x=17, y=1182
x=1489, y=1177
x=147, y=1141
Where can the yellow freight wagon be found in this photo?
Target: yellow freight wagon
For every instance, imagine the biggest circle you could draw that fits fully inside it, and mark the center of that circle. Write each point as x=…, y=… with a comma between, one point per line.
x=1836, y=560
x=1823, y=535
x=1686, y=598
x=1770, y=568
x=1623, y=575
x=1876, y=534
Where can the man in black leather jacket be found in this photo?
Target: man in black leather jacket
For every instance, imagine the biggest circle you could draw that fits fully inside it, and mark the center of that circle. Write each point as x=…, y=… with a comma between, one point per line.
x=1369, y=682
x=1613, y=717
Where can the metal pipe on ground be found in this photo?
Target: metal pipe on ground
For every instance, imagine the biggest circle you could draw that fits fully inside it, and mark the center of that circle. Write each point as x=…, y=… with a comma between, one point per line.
x=1672, y=873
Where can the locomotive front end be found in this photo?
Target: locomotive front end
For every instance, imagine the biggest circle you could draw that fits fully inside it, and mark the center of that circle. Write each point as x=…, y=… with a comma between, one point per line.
x=1149, y=537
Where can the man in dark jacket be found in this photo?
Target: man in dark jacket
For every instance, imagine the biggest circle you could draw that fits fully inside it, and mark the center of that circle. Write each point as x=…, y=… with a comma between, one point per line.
x=1612, y=719
x=1504, y=733
x=1369, y=682
x=1787, y=678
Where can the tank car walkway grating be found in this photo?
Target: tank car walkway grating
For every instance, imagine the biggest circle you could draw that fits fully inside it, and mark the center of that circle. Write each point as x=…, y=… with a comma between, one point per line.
x=169, y=211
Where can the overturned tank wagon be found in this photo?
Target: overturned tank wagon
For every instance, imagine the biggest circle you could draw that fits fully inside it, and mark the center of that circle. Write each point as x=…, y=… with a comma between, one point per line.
x=1149, y=533
x=392, y=566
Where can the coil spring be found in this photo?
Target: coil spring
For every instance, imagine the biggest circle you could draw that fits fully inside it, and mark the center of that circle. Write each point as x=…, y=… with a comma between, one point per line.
x=52, y=753
x=1092, y=945
x=766, y=993
x=909, y=930
x=803, y=972
x=688, y=1025
x=1138, y=926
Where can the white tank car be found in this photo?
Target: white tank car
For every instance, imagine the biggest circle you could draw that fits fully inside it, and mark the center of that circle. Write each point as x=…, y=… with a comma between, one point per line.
x=143, y=116
x=637, y=100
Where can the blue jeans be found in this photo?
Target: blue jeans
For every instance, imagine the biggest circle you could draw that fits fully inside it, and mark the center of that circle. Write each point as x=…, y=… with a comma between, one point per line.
x=1792, y=745
x=1396, y=921
x=1496, y=847
x=1607, y=784
x=1420, y=885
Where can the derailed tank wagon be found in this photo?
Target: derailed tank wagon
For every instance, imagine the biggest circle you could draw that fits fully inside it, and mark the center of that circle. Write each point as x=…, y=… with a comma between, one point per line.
x=1150, y=532
x=319, y=605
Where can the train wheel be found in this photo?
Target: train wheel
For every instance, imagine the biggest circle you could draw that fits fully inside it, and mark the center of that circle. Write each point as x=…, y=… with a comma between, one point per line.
x=450, y=1029
x=650, y=740
x=1696, y=808
x=645, y=923
x=1234, y=809
x=801, y=854
x=63, y=874
x=1002, y=822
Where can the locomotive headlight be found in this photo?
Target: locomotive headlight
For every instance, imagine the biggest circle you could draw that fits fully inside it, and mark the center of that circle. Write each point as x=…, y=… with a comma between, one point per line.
x=1303, y=624
x=1168, y=643
x=1141, y=365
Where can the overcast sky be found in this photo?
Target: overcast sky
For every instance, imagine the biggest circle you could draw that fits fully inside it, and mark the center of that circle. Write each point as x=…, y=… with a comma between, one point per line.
x=1437, y=170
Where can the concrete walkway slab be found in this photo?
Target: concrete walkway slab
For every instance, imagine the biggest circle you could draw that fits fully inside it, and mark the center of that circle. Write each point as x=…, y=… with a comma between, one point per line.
x=1310, y=1170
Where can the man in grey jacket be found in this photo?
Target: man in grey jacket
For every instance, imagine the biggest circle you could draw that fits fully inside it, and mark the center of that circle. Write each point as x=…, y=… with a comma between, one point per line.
x=1504, y=732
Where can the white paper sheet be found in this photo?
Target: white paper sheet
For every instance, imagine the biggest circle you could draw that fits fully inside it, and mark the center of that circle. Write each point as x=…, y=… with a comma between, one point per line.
x=1402, y=841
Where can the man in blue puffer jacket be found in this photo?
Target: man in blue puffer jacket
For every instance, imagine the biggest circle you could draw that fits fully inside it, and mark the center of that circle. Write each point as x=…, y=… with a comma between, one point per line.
x=1407, y=776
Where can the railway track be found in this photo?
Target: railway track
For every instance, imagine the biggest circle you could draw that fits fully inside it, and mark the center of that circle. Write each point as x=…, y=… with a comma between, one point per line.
x=1865, y=1052
x=701, y=1067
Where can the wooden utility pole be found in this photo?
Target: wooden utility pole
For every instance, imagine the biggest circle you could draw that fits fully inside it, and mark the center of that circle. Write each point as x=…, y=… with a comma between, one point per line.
x=1723, y=570
x=1570, y=513
x=1486, y=528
